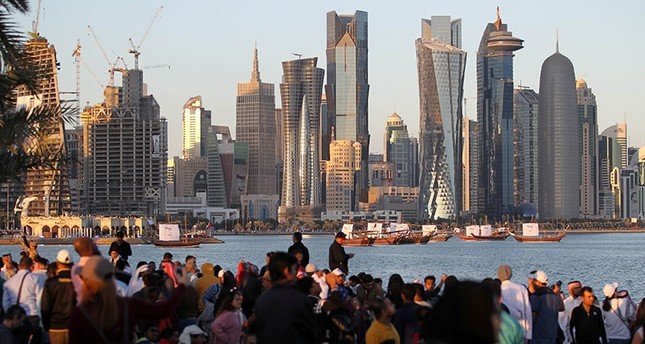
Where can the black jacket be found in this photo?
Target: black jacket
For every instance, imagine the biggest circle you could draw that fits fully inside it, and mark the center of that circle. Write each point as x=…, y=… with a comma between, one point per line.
x=299, y=246
x=58, y=300
x=122, y=247
x=588, y=327
x=338, y=258
x=284, y=315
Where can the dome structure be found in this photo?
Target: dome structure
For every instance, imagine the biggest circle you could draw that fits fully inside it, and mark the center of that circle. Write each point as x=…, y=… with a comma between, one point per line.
x=526, y=210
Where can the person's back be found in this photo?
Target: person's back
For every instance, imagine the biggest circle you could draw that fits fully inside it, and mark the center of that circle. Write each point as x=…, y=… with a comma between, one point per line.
x=58, y=300
x=405, y=319
x=545, y=305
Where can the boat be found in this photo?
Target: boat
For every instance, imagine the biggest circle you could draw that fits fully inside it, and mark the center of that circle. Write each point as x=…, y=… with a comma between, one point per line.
x=169, y=237
x=391, y=236
x=356, y=238
x=531, y=234
x=439, y=237
x=483, y=233
x=420, y=237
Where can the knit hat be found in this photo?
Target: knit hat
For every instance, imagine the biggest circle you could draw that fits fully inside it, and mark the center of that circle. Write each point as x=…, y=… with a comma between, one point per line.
x=504, y=272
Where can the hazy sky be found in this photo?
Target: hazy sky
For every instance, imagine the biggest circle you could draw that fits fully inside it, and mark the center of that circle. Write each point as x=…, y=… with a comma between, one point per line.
x=209, y=45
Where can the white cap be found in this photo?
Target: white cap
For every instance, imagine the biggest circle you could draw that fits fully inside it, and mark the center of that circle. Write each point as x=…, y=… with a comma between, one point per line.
x=609, y=289
x=63, y=257
x=310, y=268
x=541, y=277
x=338, y=272
x=189, y=331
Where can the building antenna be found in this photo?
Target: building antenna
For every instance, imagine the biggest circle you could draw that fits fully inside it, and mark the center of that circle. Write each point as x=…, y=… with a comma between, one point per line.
x=297, y=54
x=557, y=41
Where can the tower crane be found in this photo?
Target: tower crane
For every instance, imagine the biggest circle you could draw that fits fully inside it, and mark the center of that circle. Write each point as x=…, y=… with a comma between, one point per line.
x=77, y=57
x=156, y=66
x=136, y=49
x=34, y=23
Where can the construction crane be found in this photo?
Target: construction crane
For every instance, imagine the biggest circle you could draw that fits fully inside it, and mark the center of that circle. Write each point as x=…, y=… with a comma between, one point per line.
x=113, y=66
x=78, y=60
x=34, y=23
x=156, y=66
x=136, y=49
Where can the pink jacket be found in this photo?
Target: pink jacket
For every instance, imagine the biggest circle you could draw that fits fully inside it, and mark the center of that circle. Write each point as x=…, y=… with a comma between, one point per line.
x=227, y=328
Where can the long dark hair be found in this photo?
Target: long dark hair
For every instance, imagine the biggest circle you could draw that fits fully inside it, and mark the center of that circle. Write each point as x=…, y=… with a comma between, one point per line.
x=227, y=302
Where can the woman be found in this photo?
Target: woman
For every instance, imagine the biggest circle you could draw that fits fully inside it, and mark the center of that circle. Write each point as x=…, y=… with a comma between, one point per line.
x=229, y=320
x=618, y=313
x=103, y=317
x=394, y=287
x=638, y=324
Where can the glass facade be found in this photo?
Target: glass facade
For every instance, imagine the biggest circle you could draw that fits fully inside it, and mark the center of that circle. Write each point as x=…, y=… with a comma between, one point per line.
x=588, y=132
x=525, y=125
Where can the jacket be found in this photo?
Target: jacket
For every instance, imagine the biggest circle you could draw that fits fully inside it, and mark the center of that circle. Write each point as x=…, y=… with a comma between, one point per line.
x=283, y=315
x=58, y=301
x=338, y=258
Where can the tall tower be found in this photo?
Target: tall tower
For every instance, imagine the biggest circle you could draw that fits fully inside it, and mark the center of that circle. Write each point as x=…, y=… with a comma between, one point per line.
x=195, y=123
x=558, y=141
x=440, y=64
x=495, y=117
x=347, y=88
x=525, y=123
x=255, y=125
x=397, y=150
x=49, y=183
x=300, y=91
x=470, y=163
x=588, y=129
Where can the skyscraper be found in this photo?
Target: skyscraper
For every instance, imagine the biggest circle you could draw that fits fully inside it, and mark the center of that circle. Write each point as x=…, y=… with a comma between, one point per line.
x=397, y=150
x=495, y=117
x=347, y=87
x=525, y=123
x=470, y=163
x=612, y=154
x=441, y=64
x=255, y=125
x=195, y=123
x=558, y=141
x=48, y=183
x=344, y=160
x=300, y=91
x=588, y=129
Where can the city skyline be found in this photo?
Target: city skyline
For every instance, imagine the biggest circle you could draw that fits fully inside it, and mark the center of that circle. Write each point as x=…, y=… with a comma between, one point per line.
x=392, y=59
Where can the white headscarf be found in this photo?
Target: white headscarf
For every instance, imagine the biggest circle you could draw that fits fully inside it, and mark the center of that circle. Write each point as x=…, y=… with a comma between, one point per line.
x=136, y=282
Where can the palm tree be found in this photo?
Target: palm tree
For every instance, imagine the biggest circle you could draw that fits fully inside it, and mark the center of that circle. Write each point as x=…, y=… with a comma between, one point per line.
x=22, y=130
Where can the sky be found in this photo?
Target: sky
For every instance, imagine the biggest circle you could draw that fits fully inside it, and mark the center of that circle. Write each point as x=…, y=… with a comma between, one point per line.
x=209, y=47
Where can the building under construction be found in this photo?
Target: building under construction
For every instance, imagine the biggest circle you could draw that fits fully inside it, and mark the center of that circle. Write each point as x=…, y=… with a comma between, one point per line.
x=49, y=184
x=124, y=152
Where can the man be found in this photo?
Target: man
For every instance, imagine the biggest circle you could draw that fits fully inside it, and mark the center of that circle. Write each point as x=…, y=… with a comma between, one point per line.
x=121, y=246
x=120, y=272
x=282, y=313
x=319, y=278
x=22, y=289
x=431, y=289
x=368, y=290
x=586, y=325
x=150, y=333
x=405, y=319
x=618, y=314
x=203, y=283
x=13, y=320
x=545, y=306
x=299, y=246
x=510, y=331
x=58, y=300
x=516, y=298
x=382, y=330
x=530, y=282
x=191, y=268
x=265, y=268
x=571, y=302
x=114, y=256
x=86, y=248
x=337, y=256
x=8, y=267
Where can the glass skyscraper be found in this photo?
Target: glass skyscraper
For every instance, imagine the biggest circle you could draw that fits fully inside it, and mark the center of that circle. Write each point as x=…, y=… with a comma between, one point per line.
x=495, y=117
x=397, y=150
x=347, y=89
x=441, y=64
x=525, y=125
x=588, y=129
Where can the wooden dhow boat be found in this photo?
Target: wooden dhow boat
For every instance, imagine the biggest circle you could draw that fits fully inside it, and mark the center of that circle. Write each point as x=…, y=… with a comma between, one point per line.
x=482, y=233
x=169, y=237
x=531, y=234
x=356, y=238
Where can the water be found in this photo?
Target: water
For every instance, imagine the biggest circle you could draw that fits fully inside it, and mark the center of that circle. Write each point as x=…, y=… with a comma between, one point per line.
x=594, y=259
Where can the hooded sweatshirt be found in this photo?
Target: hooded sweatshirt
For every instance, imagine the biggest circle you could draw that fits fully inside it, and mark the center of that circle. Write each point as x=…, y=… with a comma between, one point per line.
x=204, y=282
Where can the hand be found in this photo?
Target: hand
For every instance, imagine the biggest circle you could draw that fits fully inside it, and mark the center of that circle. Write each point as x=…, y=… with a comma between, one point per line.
x=180, y=275
x=351, y=255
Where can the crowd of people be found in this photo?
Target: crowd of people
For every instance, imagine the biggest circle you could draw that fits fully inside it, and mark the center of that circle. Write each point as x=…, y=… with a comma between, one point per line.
x=290, y=300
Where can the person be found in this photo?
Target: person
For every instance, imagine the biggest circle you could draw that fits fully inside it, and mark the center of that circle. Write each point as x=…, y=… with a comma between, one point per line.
x=86, y=248
x=13, y=319
x=638, y=324
x=265, y=268
x=8, y=267
x=282, y=312
x=572, y=301
x=103, y=317
x=58, y=300
x=382, y=330
x=516, y=298
x=418, y=296
x=149, y=333
x=229, y=320
x=311, y=288
x=432, y=289
x=191, y=267
x=545, y=306
x=510, y=331
x=299, y=246
x=405, y=319
x=586, y=324
x=203, y=283
x=22, y=289
x=618, y=314
x=337, y=256
x=121, y=246
x=120, y=273
x=368, y=290
x=394, y=289
x=193, y=335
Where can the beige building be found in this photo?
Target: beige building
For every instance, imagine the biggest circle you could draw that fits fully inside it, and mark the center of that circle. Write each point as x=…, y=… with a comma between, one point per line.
x=195, y=123
x=344, y=162
x=403, y=199
x=190, y=176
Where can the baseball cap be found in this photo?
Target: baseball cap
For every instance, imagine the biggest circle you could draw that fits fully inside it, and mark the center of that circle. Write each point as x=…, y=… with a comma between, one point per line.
x=63, y=257
x=609, y=289
x=310, y=268
x=532, y=274
x=340, y=235
x=97, y=268
x=541, y=277
x=192, y=330
x=337, y=272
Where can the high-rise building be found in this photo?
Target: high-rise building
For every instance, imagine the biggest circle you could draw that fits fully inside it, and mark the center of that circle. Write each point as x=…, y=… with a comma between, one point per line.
x=495, y=118
x=618, y=132
x=347, y=88
x=588, y=132
x=525, y=124
x=48, y=183
x=218, y=194
x=74, y=149
x=342, y=167
x=125, y=146
x=190, y=177
x=440, y=64
x=612, y=151
x=327, y=126
x=413, y=162
x=470, y=166
x=396, y=150
x=195, y=123
x=558, y=141
x=255, y=125
x=300, y=91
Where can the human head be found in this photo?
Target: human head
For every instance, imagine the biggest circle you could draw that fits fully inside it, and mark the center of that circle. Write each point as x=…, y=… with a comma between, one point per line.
x=531, y=279
x=40, y=263
x=297, y=237
x=114, y=254
x=6, y=259
x=170, y=335
x=310, y=269
x=574, y=288
x=25, y=263
x=268, y=257
x=429, y=282
x=308, y=286
x=119, y=235
x=167, y=257
x=97, y=269
x=14, y=317
x=152, y=266
x=86, y=247
x=230, y=302
x=191, y=263
x=282, y=267
x=609, y=290
x=339, y=276
x=382, y=308
x=368, y=282
x=504, y=272
x=120, y=265
x=192, y=334
x=418, y=291
x=63, y=257
x=407, y=292
x=150, y=330
x=299, y=256
x=587, y=296
x=340, y=237
x=541, y=278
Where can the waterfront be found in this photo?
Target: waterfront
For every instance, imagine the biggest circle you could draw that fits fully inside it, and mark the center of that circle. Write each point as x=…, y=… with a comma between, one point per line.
x=595, y=259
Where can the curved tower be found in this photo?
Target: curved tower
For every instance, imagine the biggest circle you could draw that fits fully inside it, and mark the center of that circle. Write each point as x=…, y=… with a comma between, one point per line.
x=558, y=154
